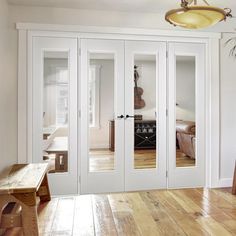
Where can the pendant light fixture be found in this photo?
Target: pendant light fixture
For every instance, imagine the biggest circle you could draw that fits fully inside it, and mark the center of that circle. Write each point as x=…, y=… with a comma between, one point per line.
x=194, y=16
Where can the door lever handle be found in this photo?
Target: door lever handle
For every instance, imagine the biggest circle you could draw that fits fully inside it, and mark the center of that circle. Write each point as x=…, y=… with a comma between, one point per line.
x=120, y=117
x=128, y=116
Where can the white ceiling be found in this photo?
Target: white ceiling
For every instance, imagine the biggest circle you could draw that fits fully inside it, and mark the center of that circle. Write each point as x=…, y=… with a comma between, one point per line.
x=159, y=6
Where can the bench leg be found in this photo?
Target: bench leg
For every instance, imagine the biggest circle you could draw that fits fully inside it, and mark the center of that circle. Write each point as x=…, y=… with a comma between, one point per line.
x=30, y=221
x=3, y=203
x=44, y=191
x=234, y=182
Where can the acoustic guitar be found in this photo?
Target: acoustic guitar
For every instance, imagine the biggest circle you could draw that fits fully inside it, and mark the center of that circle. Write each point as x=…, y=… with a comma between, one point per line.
x=139, y=103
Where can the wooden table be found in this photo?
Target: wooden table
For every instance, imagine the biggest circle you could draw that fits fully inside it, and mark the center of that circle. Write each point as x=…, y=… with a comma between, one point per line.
x=234, y=181
x=23, y=183
x=59, y=147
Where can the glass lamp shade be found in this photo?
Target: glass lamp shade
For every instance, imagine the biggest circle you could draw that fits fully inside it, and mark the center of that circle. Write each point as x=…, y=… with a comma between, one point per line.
x=195, y=17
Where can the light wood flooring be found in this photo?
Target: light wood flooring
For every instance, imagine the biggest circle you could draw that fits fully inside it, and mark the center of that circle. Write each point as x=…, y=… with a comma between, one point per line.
x=192, y=212
x=103, y=159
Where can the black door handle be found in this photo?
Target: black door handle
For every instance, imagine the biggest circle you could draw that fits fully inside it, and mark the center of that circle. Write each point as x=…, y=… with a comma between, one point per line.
x=120, y=117
x=128, y=116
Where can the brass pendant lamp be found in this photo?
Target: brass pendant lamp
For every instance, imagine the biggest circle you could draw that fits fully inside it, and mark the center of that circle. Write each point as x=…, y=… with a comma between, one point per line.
x=194, y=16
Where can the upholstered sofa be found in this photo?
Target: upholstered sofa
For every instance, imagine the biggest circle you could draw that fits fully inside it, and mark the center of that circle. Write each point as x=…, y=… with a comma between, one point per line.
x=185, y=134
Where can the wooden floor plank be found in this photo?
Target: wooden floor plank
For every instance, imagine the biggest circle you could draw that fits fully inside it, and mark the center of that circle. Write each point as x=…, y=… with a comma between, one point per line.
x=103, y=219
x=204, y=203
x=144, y=221
x=46, y=215
x=227, y=221
x=123, y=216
x=180, y=215
x=64, y=216
x=213, y=227
x=190, y=212
x=163, y=220
x=225, y=195
x=191, y=206
x=83, y=219
x=222, y=204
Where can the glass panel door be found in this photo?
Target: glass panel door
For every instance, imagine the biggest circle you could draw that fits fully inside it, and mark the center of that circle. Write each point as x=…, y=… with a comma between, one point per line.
x=186, y=115
x=55, y=110
x=145, y=115
x=102, y=116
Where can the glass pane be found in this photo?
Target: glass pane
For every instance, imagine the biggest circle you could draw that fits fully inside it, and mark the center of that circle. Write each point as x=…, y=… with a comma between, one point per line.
x=185, y=111
x=101, y=112
x=55, y=111
x=145, y=131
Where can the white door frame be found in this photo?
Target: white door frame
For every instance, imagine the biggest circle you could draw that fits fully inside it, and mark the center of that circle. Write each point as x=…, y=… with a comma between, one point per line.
x=27, y=30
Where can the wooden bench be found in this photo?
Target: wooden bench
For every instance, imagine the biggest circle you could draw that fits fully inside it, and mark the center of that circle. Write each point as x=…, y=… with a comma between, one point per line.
x=18, y=192
x=59, y=147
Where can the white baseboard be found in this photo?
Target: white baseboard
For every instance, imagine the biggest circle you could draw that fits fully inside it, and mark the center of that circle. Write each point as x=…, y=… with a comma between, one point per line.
x=226, y=182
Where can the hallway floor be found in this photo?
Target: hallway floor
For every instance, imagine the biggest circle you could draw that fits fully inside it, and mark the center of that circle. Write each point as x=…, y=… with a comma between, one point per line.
x=174, y=212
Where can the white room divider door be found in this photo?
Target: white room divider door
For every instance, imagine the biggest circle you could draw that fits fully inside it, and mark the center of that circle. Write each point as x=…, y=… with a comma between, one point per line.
x=54, y=105
x=186, y=136
x=145, y=115
x=102, y=116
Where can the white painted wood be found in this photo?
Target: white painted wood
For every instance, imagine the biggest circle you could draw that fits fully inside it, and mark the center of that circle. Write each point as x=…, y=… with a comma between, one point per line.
x=210, y=39
x=208, y=114
x=116, y=30
x=213, y=116
x=224, y=183
x=30, y=99
x=79, y=125
x=180, y=177
x=115, y=36
x=143, y=179
x=58, y=181
x=22, y=97
x=113, y=180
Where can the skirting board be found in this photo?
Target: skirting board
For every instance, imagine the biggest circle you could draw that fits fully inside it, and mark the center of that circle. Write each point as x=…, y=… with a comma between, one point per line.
x=226, y=182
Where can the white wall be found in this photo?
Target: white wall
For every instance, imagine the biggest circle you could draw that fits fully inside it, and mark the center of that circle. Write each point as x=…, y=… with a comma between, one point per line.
x=228, y=110
x=8, y=94
x=87, y=17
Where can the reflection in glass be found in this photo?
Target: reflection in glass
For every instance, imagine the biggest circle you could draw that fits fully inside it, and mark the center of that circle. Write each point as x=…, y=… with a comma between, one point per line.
x=145, y=131
x=185, y=111
x=55, y=111
x=101, y=112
